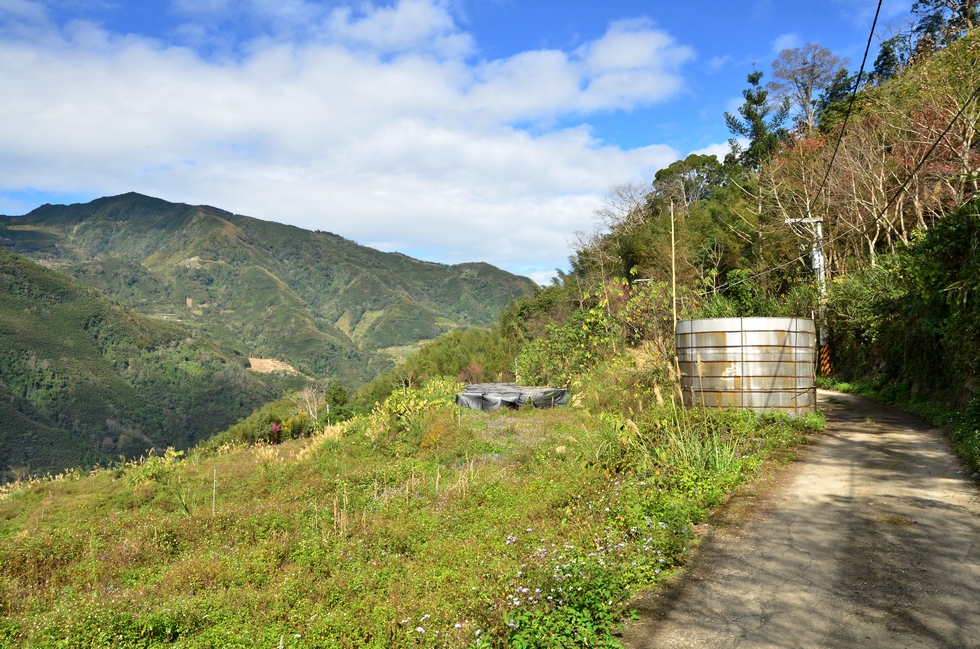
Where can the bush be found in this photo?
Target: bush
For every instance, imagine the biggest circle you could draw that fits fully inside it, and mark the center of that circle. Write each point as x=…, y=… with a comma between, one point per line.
x=913, y=320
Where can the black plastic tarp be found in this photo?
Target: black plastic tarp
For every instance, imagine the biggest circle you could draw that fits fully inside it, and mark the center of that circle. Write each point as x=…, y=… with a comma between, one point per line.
x=491, y=396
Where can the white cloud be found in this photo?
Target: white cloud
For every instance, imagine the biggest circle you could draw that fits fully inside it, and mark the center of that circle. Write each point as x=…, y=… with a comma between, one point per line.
x=719, y=150
x=382, y=128
x=542, y=277
x=786, y=42
x=409, y=25
x=716, y=63
x=630, y=65
x=23, y=11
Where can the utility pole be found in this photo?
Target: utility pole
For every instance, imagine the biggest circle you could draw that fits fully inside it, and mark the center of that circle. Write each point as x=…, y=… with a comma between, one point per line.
x=814, y=227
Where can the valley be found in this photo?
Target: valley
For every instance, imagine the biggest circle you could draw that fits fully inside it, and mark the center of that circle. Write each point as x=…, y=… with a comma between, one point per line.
x=315, y=300
x=130, y=323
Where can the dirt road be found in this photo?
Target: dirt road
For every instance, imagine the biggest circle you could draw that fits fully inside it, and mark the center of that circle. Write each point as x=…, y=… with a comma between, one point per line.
x=871, y=540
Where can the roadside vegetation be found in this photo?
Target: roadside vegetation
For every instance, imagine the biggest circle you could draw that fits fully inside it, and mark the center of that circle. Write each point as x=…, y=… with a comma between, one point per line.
x=418, y=525
x=404, y=523
x=908, y=329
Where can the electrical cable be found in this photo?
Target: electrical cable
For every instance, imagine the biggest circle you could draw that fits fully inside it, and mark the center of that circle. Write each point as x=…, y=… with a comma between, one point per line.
x=850, y=104
x=895, y=195
x=840, y=135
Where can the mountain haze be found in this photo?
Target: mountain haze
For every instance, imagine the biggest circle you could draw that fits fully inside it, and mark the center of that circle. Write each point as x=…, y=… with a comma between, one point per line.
x=325, y=304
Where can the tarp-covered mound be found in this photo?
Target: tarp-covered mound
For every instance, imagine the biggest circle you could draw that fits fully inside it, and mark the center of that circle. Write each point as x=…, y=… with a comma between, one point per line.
x=491, y=396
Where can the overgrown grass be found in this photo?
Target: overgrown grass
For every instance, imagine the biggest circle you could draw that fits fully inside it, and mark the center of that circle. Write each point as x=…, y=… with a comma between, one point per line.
x=962, y=424
x=447, y=528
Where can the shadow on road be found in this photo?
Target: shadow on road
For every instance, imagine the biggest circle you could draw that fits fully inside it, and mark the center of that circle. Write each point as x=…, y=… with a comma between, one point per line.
x=872, y=539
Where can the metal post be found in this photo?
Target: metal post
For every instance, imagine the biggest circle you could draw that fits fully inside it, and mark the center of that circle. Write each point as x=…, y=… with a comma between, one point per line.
x=814, y=227
x=819, y=267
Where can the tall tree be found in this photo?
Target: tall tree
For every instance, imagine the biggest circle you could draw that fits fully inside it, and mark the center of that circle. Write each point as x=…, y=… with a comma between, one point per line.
x=763, y=134
x=800, y=74
x=940, y=22
x=833, y=101
x=689, y=180
x=893, y=56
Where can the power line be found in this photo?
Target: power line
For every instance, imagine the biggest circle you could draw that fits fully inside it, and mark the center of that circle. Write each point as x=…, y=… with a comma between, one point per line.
x=895, y=195
x=850, y=104
x=819, y=262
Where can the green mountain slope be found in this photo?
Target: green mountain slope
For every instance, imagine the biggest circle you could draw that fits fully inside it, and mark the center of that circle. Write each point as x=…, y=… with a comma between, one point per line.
x=83, y=379
x=314, y=299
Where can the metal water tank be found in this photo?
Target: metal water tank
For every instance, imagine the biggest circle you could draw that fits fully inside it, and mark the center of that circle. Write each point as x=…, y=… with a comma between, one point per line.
x=757, y=363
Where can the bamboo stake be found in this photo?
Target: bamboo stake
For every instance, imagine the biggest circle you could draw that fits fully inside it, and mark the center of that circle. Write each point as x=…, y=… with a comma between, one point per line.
x=673, y=265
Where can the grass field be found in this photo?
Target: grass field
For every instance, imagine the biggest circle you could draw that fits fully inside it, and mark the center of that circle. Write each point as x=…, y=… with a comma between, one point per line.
x=443, y=528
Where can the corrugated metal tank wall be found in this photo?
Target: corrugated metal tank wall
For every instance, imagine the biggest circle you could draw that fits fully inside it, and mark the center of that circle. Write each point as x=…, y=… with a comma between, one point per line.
x=757, y=363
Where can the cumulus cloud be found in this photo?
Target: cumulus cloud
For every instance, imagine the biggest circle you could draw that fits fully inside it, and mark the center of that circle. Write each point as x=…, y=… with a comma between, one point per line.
x=23, y=11
x=410, y=25
x=384, y=125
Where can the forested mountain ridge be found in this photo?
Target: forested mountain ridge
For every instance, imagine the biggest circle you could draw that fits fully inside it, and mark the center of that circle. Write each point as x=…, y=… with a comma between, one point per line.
x=84, y=380
x=314, y=299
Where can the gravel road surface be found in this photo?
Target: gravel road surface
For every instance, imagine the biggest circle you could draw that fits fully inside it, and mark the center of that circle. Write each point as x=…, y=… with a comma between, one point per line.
x=871, y=539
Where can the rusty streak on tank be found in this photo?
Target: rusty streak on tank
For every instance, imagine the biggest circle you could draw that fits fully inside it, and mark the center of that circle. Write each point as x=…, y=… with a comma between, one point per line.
x=756, y=363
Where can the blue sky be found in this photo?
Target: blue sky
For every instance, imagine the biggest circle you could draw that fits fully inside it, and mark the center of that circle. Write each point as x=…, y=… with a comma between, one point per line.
x=451, y=130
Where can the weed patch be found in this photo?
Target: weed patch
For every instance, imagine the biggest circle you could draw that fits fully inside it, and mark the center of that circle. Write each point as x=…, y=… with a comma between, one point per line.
x=438, y=528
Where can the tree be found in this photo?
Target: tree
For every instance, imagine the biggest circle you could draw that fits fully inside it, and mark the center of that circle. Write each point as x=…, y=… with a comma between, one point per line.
x=689, y=180
x=623, y=207
x=335, y=407
x=934, y=25
x=308, y=400
x=763, y=135
x=337, y=395
x=833, y=101
x=799, y=74
x=892, y=58
x=940, y=22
